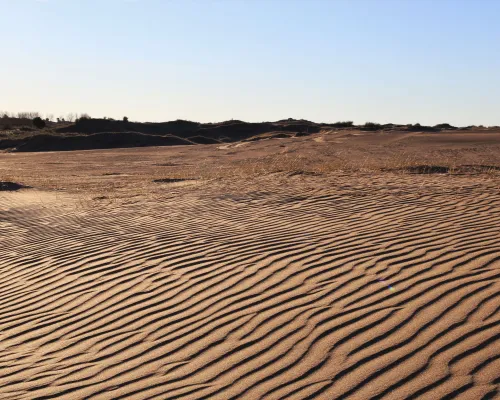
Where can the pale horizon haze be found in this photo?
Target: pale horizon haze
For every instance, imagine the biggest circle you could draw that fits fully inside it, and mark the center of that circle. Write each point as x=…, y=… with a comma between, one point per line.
x=384, y=61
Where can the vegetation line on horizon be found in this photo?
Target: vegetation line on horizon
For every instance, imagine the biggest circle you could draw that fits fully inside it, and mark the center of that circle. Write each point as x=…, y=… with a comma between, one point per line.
x=75, y=118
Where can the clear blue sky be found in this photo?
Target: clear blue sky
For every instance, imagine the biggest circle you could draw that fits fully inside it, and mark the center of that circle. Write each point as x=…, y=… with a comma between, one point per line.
x=426, y=61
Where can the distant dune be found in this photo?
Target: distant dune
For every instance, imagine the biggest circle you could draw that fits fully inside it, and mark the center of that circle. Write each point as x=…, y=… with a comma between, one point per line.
x=89, y=133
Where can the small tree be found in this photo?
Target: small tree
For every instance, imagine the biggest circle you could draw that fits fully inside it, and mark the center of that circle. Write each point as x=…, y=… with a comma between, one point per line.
x=39, y=123
x=125, y=119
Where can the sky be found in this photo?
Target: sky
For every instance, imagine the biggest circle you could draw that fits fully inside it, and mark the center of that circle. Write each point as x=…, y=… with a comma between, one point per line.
x=399, y=61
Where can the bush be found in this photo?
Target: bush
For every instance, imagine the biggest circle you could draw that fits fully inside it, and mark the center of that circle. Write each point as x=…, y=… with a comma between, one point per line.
x=444, y=126
x=83, y=117
x=38, y=123
x=342, y=124
x=125, y=119
x=372, y=126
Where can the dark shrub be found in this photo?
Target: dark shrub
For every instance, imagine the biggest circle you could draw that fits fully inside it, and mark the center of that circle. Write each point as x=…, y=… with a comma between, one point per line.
x=371, y=126
x=125, y=119
x=420, y=128
x=38, y=123
x=83, y=117
x=444, y=126
x=342, y=124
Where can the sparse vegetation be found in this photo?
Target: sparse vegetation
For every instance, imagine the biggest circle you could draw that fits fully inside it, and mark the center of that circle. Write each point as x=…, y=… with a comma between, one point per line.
x=28, y=115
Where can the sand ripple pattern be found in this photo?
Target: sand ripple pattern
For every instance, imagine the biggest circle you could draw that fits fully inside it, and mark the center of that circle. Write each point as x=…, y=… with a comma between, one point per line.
x=383, y=290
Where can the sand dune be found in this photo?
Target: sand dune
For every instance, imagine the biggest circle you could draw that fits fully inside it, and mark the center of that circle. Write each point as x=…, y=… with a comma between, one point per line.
x=358, y=286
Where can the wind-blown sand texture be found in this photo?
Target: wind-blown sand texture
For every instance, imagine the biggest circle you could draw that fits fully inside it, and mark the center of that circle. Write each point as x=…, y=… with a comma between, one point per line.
x=292, y=284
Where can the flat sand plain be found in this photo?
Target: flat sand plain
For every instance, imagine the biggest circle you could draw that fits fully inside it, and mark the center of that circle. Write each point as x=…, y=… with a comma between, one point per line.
x=342, y=265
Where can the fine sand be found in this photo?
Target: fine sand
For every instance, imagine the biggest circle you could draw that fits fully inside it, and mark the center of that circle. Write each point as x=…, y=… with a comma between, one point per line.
x=334, y=266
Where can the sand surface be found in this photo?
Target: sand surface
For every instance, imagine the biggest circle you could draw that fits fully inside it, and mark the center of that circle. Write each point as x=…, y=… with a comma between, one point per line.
x=270, y=270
